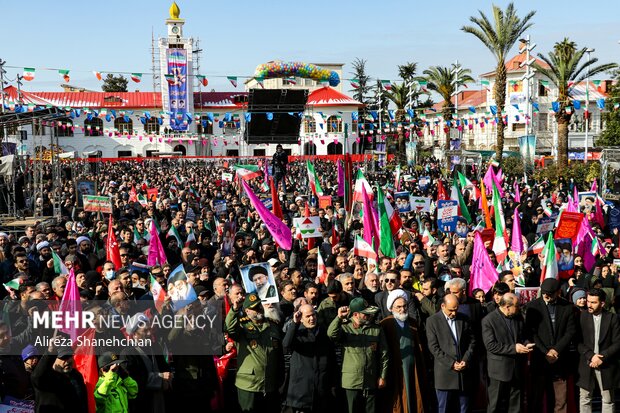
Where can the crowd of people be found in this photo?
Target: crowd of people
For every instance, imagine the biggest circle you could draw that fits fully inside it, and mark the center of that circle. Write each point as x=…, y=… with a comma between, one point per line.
x=406, y=333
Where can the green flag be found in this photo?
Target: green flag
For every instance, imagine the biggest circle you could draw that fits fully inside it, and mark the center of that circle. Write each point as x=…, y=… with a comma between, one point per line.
x=386, y=244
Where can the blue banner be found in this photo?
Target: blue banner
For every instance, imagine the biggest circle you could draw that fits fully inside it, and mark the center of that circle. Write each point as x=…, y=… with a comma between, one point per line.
x=447, y=215
x=177, y=88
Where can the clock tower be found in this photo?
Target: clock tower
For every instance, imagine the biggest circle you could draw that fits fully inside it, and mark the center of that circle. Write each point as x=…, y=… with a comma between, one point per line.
x=176, y=61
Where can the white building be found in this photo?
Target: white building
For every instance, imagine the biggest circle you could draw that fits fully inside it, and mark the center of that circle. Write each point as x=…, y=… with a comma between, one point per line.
x=139, y=124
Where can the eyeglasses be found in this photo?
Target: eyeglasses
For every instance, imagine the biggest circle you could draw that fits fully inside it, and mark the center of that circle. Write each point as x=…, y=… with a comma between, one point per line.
x=124, y=255
x=390, y=280
x=419, y=263
x=21, y=261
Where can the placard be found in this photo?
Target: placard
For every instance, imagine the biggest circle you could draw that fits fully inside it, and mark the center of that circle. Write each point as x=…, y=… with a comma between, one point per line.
x=569, y=225
x=219, y=205
x=487, y=235
x=421, y=204
x=447, y=213
x=545, y=225
x=94, y=203
x=258, y=279
x=325, y=201
x=308, y=227
x=227, y=176
x=526, y=294
x=424, y=182
x=403, y=201
x=85, y=188
x=151, y=194
x=587, y=200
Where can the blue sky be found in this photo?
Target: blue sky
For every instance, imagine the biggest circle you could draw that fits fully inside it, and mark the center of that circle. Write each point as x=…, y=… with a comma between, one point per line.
x=115, y=35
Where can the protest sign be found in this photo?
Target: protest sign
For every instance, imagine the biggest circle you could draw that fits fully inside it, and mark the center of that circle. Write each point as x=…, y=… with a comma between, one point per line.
x=85, y=188
x=424, y=182
x=94, y=203
x=447, y=213
x=569, y=225
x=227, y=176
x=421, y=203
x=325, y=201
x=403, y=201
x=258, y=279
x=526, y=294
x=545, y=225
x=219, y=205
x=151, y=194
x=308, y=227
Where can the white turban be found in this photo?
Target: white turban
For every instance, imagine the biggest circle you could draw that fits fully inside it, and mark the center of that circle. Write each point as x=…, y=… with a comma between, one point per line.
x=395, y=294
x=42, y=244
x=82, y=239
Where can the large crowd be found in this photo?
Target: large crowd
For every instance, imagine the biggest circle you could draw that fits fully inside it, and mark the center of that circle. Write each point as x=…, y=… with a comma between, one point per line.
x=406, y=333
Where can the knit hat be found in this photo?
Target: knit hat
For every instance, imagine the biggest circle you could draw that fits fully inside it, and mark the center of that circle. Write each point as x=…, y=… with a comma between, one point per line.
x=577, y=294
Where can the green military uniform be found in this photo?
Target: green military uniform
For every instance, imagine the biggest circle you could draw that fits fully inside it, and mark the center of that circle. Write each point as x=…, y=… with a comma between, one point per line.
x=326, y=312
x=365, y=357
x=259, y=356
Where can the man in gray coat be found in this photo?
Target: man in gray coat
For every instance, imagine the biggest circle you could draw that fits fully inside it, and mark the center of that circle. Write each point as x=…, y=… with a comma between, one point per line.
x=451, y=341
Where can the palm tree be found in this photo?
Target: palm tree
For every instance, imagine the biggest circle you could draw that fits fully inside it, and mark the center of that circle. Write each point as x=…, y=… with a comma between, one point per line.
x=440, y=79
x=564, y=68
x=499, y=37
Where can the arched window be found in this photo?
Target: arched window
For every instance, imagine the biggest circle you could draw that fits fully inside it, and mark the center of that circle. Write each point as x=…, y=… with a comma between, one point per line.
x=63, y=128
x=204, y=127
x=309, y=125
x=123, y=126
x=151, y=126
x=334, y=124
x=334, y=148
x=180, y=148
x=93, y=127
x=309, y=148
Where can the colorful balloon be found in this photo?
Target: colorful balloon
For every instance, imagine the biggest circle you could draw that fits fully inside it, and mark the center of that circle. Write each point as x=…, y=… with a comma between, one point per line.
x=287, y=69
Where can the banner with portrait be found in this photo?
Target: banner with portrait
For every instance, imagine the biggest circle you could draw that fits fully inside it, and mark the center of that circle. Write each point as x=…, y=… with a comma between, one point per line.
x=258, y=279
x=177, y=88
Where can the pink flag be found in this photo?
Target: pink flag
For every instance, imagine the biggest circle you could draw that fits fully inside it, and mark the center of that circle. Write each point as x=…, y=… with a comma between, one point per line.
x=370, y=227
x=516, y=244
x=340, y=178
x=489, y=179
x=598, y=213
x=279, y=231
x=483, y=274
x=156, y=250
x=594, y=187
x=517, y=192
x=71, y=304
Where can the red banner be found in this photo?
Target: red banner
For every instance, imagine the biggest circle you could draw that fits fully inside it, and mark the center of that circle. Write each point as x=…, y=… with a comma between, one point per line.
x=569, y=225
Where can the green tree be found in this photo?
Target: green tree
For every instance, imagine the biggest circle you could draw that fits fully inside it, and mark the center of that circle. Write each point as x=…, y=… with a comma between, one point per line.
x=113, y=83
x=440, y=79
x=499, y=37
x=563, y=67
x=610, y=136
x=359, y=72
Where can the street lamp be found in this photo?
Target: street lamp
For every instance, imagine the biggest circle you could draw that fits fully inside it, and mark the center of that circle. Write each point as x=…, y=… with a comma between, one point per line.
x=585, y=152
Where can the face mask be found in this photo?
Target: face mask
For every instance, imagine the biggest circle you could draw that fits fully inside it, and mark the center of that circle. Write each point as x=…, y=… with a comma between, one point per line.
x=445, y=277
x=109, y=275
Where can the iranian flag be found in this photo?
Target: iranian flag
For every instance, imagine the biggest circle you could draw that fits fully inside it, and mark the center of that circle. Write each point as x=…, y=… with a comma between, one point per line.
x=595, y=248
x=467, y=184
x=174, y=233
x=169, y=79
x=191, y=237
x=387, y=85
x=97, y=74
x=177, y=179
x=233, y=80
x=142, y=200
x=313, y=180
x=65, y=75
x=247, y=172
x=13, y=284
x=360, y=181
x=355, y=83
x=456, y=195
x=427, y=238
x=59, y=265
x=386, y=244
x=396, y=223
x=28, y=73
x=537, y=247
x=499, y=244
x=202, y=80
x=549, y=265
x=363, y=249
x=136, y=77
x=158, y=293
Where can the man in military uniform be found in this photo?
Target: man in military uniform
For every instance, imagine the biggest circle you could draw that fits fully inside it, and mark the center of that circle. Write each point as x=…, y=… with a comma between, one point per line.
x=365, y=361
x=260, y=277
x=259, y=356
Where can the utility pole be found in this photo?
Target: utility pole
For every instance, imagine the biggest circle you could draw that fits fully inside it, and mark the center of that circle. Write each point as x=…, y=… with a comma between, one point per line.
x=587, y=111
x=526, y=78
x=456, y=71
x=19, y=90
x=2, y=73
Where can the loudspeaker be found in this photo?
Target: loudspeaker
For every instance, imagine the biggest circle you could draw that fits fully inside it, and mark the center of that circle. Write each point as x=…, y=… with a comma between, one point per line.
x=276, y=115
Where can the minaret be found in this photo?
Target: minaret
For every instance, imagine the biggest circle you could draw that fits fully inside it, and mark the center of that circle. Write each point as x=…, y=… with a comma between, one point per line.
x=176, y=60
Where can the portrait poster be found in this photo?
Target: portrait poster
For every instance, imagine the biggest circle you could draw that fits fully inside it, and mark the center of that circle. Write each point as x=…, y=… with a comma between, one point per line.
x=258, y=279
x=85, y=188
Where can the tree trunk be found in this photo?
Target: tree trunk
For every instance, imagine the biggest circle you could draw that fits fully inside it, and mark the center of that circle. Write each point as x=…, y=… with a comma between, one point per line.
x=563, y=121
x=499, y=94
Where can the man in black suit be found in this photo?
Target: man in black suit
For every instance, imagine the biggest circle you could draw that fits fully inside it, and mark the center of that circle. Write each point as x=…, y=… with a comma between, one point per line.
x=597, y=352
x=451, y=341
x=550, y=325
x=467, y=305
x=503, y=337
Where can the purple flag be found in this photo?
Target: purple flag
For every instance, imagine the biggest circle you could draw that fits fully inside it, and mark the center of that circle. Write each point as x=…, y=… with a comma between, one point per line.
x=279, y=231
x=516, y=244
x=156, y=250
x=370, y=228
x=489, y=179
x=598, y=213
x=71, y=304
x=517, y=193
x=340, y=179
x=576, y=197
x=594, y=187
x=483, y=273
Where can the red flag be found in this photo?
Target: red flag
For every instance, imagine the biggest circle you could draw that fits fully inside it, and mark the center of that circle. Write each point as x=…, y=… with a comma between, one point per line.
x=441, y=191
x=275, y=201
x=133, y=196
x=86, y=364
x=335, y=237
x=112, y=252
